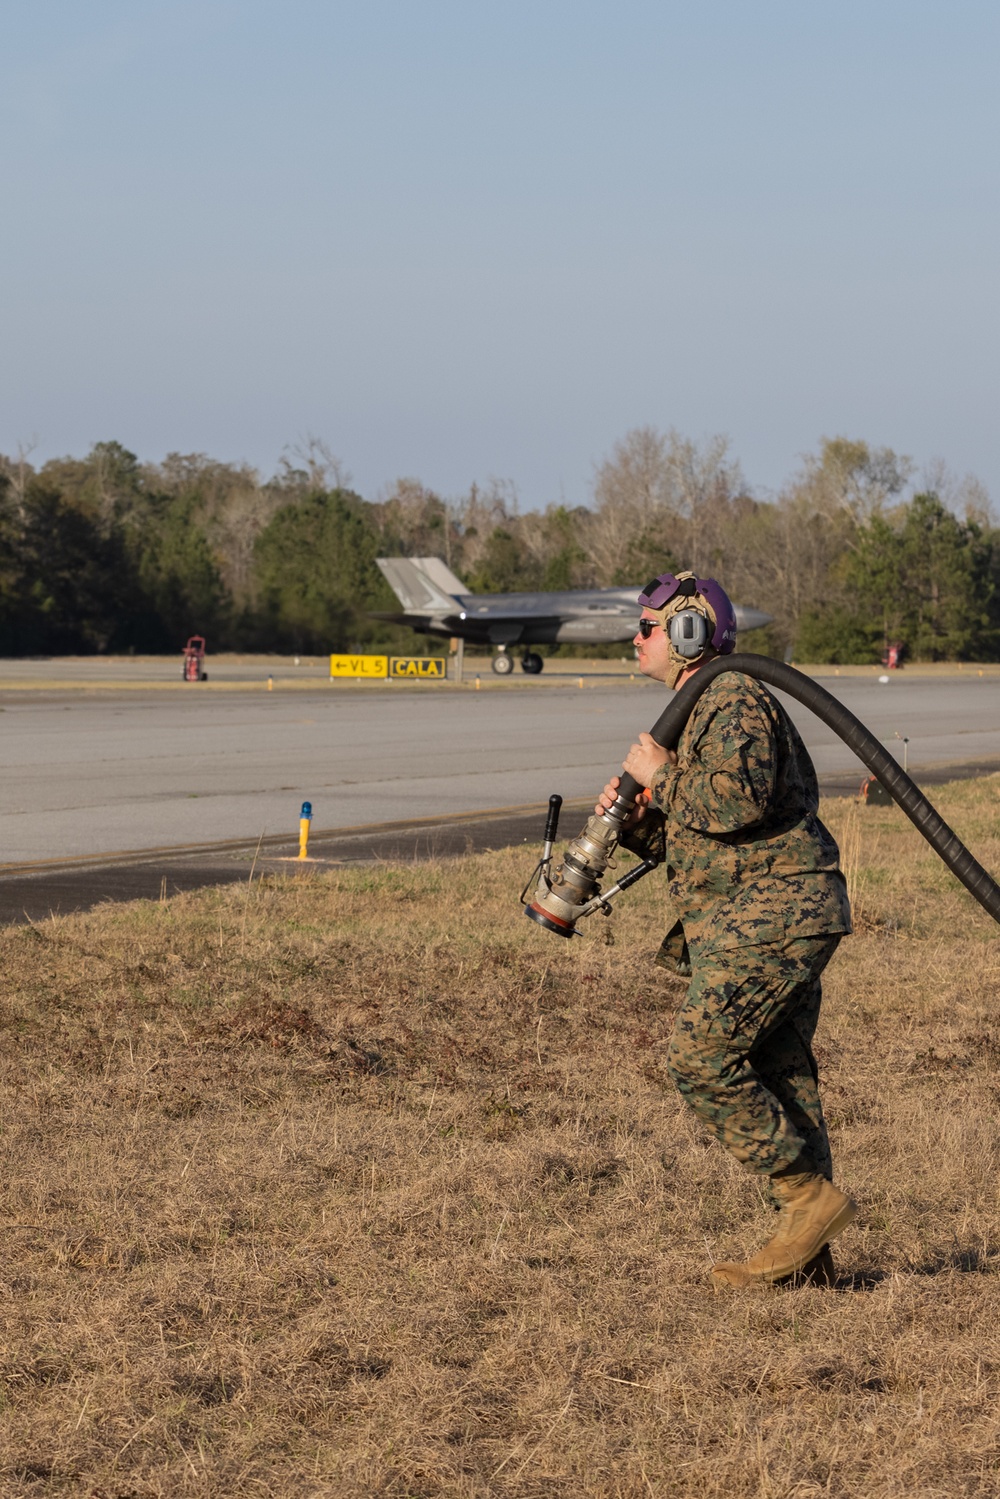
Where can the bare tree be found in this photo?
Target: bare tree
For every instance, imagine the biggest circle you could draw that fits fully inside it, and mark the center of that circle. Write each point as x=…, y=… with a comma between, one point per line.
x=414, y=518
x=966, y=496
x=19, y=473
x=478, y=514
x=233, y=528
x=660, y=492
x=848, y=475
x=787, y=559
x=311, y=462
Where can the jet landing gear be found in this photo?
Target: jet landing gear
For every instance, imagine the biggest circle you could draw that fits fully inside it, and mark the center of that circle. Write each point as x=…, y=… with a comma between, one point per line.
x=503, y=663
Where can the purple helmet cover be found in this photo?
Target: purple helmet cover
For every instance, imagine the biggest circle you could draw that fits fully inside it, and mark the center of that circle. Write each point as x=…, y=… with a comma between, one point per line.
x=661, y=590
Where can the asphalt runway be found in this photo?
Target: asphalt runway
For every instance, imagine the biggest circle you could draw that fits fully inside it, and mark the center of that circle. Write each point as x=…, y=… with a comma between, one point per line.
x=119, y=779
x=42, y=891
x=160, y=671
x=86, y=775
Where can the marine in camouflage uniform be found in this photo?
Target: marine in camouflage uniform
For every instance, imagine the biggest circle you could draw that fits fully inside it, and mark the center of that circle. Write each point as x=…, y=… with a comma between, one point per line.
x=760, y=906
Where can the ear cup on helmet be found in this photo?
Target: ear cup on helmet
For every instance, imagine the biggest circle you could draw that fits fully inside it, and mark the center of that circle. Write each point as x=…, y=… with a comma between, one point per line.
x=689, y=633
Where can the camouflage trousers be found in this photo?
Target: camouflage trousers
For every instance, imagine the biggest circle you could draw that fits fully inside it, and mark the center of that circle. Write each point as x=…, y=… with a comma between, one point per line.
x=741, y=1052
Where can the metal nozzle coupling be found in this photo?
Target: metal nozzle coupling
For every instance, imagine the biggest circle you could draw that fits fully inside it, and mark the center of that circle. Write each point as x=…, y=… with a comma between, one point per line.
x=560, y=901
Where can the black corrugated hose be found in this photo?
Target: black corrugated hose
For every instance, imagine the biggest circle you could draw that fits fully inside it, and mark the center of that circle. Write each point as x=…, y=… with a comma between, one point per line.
x=667, y=731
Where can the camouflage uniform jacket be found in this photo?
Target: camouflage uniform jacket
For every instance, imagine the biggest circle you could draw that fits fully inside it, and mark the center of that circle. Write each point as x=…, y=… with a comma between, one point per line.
x=749, y=861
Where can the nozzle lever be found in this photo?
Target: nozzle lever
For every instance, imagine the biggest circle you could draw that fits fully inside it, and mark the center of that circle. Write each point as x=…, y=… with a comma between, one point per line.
x=552, y=823
x=602, y=902
x=541, y=871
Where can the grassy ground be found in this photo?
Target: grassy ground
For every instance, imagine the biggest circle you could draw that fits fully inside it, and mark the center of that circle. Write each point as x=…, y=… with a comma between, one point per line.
x=360, y=1184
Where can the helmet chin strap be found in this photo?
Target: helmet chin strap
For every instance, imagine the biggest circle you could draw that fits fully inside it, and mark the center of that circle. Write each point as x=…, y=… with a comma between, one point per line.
x=678, y=666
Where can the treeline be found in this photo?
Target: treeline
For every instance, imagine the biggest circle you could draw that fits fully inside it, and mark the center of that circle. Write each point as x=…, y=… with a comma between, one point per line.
x=106, y=553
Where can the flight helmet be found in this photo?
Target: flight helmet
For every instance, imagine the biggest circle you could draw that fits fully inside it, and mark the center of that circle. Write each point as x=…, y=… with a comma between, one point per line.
x=697, y=615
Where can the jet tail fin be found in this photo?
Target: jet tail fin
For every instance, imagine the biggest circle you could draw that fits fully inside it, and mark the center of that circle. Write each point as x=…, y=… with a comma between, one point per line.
x=423, y=585
x=442, y=575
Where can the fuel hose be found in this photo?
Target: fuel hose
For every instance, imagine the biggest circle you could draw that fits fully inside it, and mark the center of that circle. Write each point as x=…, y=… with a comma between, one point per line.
x=946, y=844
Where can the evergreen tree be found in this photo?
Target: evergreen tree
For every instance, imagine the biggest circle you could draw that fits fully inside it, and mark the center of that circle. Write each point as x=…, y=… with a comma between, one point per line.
x=177, y=589
x=316, y=577
x=505, y=565
x=67, y=584
x=920, y=576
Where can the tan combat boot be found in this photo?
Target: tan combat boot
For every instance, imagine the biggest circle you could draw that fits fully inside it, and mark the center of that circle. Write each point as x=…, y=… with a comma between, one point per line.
x=819, y=1271
x=813, y=1211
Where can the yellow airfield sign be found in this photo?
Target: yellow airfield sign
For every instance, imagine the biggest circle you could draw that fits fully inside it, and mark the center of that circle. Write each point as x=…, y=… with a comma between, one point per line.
x=413, y=668
x=423, y=667
x=359, y=666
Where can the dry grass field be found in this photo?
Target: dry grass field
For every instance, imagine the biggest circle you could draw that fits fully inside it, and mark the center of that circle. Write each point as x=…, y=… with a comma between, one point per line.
x=360, y=1184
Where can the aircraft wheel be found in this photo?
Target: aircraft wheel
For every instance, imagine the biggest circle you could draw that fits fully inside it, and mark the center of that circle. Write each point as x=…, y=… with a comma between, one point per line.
x=503, y=665
x=532, y=663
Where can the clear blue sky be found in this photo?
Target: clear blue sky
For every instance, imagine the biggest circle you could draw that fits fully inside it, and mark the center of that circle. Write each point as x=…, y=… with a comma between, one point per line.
x=459, y=239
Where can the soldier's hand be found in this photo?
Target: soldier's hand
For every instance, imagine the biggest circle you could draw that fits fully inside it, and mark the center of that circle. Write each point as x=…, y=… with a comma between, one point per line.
x=645, y=758
x=607, y=797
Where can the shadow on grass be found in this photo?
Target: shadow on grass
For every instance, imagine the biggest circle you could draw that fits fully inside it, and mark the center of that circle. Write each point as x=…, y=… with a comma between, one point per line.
x=968, y=1261
x=861, y=1280
x=965, y=1261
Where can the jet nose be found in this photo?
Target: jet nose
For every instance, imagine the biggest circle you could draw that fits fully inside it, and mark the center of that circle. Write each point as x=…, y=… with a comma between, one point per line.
x=751, y=619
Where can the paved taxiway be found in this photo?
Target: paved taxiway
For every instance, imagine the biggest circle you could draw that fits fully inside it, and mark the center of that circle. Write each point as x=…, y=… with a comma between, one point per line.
x=85, y=774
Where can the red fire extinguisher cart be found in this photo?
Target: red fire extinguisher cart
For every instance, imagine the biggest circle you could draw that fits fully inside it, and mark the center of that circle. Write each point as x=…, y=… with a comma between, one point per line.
x=194, y=660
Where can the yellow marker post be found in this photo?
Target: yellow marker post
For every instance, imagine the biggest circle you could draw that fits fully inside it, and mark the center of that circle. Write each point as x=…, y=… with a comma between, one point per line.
x=305, y=818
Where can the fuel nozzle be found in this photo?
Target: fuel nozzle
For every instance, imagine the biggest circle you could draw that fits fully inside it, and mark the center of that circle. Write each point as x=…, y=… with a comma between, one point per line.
x=574, y=890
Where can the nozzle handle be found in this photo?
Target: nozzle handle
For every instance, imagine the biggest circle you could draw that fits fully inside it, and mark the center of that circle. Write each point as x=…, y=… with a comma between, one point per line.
x=552, y=820
x=638, y=873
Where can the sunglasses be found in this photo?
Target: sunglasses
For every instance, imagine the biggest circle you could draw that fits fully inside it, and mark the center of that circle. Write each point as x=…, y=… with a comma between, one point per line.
x=647, y=626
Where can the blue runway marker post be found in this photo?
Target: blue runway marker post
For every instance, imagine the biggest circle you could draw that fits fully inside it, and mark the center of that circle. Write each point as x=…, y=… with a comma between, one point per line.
x=305, y=818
